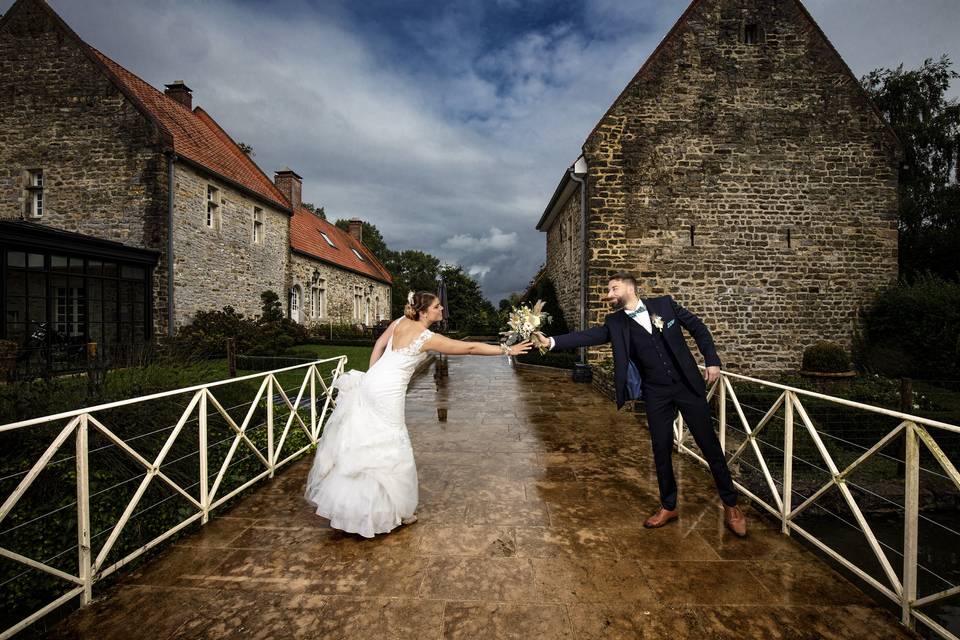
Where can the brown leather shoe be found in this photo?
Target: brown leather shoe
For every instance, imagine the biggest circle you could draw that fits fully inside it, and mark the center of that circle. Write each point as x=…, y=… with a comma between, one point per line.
x=735, y=521
x=660, y=518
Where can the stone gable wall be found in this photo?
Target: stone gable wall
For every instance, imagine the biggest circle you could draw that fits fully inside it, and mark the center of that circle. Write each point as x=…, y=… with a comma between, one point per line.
x=745, y=143
x=104, y=176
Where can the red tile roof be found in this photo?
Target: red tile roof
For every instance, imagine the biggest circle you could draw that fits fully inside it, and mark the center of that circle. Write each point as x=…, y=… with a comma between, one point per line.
x=305, y=230
x=196, y=136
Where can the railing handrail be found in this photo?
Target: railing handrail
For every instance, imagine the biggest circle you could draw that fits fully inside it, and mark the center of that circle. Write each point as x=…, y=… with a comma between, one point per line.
x=203, y=404
x=849, y=403
x=901, y=588
x=155, y=396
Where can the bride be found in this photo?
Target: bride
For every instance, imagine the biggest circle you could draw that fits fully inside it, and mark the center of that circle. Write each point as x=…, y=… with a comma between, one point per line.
x=364, y=479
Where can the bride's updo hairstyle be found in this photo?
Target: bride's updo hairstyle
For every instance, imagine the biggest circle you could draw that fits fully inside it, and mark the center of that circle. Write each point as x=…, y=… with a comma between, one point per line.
x=417, y=303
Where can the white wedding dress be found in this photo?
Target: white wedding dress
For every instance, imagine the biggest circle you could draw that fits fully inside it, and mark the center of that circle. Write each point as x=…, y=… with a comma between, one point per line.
x=364, y=479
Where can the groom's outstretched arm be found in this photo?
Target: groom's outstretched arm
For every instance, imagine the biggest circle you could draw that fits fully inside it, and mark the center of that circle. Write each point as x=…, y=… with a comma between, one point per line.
x=700, y=334
x=588, y=338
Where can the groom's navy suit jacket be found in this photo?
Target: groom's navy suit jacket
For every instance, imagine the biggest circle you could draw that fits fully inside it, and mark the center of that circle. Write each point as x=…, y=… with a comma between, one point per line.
x=616, y=331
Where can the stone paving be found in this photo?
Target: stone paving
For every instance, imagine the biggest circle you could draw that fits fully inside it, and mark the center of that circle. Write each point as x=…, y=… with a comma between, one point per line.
x=532, y=496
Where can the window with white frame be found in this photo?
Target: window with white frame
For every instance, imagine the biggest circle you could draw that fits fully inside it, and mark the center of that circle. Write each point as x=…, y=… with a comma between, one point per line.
x=295, y=296
x=34, y=197
x=213, y=207
x=357, y=253
x=257, y=225
x=327, y=238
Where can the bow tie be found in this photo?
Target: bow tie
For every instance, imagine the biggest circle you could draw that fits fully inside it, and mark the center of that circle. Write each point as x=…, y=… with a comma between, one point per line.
x=637, y=311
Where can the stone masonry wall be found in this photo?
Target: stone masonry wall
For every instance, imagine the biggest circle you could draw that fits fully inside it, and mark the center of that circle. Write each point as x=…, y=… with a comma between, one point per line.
x=104, y=176
x=563, y=260
x=339, y=287
x=745, y=143
x=220, y=266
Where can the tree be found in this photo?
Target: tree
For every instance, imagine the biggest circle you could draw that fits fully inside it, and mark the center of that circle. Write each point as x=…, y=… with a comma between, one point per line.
x=318, y=211
x=928, y=124
x=469, y=311
x=372, y=238
x=412, y=271
x=271, y=308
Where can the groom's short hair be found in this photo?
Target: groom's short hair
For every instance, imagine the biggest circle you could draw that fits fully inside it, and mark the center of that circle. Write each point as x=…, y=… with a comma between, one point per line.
x=623, y=276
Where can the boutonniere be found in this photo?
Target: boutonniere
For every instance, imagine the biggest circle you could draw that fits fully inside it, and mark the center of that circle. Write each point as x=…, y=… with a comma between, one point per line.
x=657, y=321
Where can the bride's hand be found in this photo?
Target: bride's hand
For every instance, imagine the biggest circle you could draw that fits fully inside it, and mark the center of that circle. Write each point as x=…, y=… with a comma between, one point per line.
x=521, y=348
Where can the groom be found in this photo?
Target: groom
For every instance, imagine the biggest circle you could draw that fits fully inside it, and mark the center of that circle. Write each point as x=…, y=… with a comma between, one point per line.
x=651, y=360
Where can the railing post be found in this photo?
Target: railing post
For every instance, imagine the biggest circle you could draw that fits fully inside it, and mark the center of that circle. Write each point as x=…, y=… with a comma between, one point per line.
x=313, y=373
x=204, y=474
x=787, y=463
x=270, y=422
x=910, y=524
x=723, y=413
x=83, y=510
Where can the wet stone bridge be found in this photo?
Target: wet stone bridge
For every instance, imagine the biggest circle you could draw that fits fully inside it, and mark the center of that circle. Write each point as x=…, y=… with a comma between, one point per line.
x=532, y=498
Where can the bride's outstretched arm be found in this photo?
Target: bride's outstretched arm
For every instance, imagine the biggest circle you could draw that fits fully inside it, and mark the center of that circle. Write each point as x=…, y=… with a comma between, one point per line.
x=449, y=346
x=381, y=344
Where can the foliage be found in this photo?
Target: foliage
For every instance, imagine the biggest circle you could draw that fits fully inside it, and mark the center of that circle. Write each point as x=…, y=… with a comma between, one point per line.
x=469, y=310
x=325, y=333
x=320, y=212
x=914, y=102
x=206, y=336
x=825, y=357
x=372, y=238
x=271, y=309
x=557, y=359
x=246, y=148
x=545, y=290
x=412, y=271
x=913, y=329
x=8, y=354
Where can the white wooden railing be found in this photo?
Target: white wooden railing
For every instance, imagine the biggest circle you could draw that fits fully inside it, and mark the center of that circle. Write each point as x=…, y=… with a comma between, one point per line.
x=314, y=398
x=901, y=588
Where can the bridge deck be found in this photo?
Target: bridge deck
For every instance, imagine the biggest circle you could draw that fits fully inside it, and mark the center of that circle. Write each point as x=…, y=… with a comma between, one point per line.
x=532, y=497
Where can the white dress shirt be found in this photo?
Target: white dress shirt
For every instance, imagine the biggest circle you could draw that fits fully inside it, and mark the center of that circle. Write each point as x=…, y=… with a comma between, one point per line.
x=642, y=318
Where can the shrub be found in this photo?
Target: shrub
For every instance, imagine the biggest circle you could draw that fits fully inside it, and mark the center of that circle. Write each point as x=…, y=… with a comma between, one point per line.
x=825, y=357
x=913, y=329
x=206, y=336
x=8, y=358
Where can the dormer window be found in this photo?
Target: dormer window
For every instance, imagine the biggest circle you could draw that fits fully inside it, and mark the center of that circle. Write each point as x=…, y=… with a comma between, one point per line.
x=357, y=253
x=327, y=238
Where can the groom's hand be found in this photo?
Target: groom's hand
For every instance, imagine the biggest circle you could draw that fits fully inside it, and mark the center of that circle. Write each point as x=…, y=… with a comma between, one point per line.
x=712, y=374
x=540, y=340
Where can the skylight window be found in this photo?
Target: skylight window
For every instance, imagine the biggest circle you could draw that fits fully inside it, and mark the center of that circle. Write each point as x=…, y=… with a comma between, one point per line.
x=357, y=253
x=327, y=238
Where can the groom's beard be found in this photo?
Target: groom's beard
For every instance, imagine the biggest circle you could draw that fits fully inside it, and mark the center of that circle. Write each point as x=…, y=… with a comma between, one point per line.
x=616, y=302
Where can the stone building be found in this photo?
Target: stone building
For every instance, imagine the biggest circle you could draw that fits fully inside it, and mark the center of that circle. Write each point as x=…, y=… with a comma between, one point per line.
x=744, y=171
x=334, y=277
x=124, y=210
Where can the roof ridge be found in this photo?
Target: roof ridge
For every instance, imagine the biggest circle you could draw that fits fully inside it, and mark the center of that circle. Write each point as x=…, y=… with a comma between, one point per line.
x=209, y=120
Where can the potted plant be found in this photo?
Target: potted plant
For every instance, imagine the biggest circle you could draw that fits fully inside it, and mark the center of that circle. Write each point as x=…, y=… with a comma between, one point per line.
x=826, y=360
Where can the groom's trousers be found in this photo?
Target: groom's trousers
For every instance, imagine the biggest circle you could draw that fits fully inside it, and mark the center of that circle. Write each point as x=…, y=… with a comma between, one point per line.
x=662, y=402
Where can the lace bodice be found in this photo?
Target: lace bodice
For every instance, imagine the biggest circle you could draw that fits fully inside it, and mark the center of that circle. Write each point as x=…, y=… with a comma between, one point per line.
x=412, y=349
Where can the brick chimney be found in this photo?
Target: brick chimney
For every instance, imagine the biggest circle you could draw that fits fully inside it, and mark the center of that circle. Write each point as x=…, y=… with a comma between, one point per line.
x=290, y=185
x=181, y=93
x=356, y=229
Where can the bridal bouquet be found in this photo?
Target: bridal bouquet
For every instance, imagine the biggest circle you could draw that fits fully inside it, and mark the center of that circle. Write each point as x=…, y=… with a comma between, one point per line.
x=523, y=321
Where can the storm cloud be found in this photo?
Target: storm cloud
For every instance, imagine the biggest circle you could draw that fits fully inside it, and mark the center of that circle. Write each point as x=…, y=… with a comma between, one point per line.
x=447, y=124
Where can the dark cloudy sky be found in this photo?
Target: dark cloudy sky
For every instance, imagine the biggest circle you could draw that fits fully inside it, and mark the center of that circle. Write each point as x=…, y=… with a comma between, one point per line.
x=447, y=123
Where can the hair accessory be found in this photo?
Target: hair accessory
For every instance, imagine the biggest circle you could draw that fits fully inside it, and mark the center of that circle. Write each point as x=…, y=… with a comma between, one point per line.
x=410, y=298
